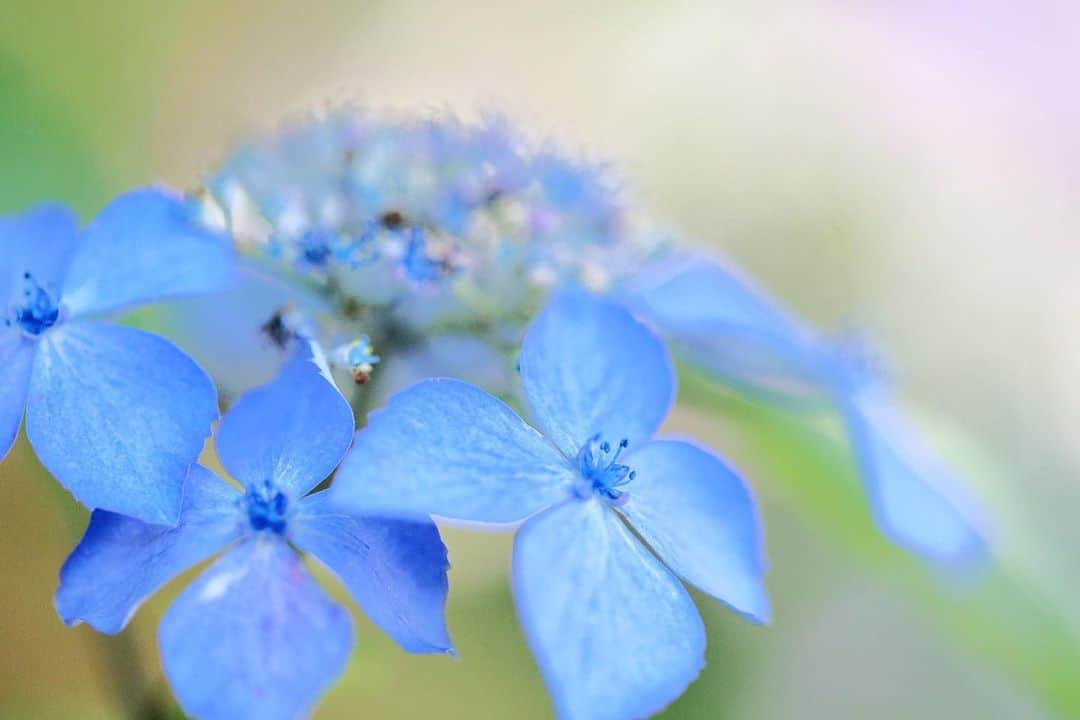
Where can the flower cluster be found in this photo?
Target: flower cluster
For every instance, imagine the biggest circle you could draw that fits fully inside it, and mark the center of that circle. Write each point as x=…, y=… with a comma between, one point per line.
x=448, y=223
x=434, y=259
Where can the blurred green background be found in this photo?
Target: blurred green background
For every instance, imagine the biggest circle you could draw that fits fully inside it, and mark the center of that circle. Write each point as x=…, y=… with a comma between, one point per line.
x=911, y=170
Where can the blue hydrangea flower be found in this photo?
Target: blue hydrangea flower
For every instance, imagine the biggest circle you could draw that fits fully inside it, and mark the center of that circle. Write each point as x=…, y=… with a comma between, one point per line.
x=254, y=636
x=730, y=328
x=118, y=415
x=614, y=632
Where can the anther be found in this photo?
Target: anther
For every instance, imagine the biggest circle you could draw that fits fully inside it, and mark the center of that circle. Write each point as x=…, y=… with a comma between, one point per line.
x=601, y=471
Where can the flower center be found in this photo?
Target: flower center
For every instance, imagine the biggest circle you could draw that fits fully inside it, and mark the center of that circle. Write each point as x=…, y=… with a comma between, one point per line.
x=601, y=472
x=267, y=509
x=36, y=310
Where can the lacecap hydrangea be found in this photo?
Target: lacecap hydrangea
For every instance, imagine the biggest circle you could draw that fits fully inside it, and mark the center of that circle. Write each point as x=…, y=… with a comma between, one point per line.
x=378, y=253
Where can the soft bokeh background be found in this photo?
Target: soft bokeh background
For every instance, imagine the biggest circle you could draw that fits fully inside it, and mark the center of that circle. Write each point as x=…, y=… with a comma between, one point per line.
x=909, y=168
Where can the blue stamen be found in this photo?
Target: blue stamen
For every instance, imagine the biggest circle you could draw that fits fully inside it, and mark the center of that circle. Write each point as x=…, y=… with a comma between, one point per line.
x=315, y=248
x=601, y=472
x=38, y=310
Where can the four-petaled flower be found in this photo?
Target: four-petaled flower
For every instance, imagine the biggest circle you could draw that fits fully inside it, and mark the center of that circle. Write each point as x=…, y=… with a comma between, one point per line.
x=254, y=636
x=116, y=414
x=615, y=633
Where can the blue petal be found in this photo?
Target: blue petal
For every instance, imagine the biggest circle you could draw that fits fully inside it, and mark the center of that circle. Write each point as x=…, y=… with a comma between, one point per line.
x=917, y=501
x=614, y=632
x=699, y=517
x=588, y=367
x=39, y=241
x=394, y=569
x=454, y=356
x=727, y=326
x=687, y=294
x=446, y=448
x=254, y=637
x=118, y=415
x=291, y=432
x=144, y=246
x=16, y=358
x=223, y=330
x=122, y=561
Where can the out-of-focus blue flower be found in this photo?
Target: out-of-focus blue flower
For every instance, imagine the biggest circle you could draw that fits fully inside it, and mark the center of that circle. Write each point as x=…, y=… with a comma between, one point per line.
x=254, y=636
x=467, y=218
x=358, y=357
x=917, y=501
x=118, y=415
x=728, y=327
x=615, y=633
x=410, y=228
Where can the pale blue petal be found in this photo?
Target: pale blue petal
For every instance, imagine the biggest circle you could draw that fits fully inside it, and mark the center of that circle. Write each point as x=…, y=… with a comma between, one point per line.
x=223, y=330
x=689, y=294
x=917, y=501
x=588, y=367
x=291, y=432
x=728, y=327
x=254, y=637
x=118, y=415
x=453, y=356
x=614, y=632
x=394, y=569
x=16, y=359
x=698, y=515
x=122, y=561
x=39, y=241
x=145, y=246
x=446, y=448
